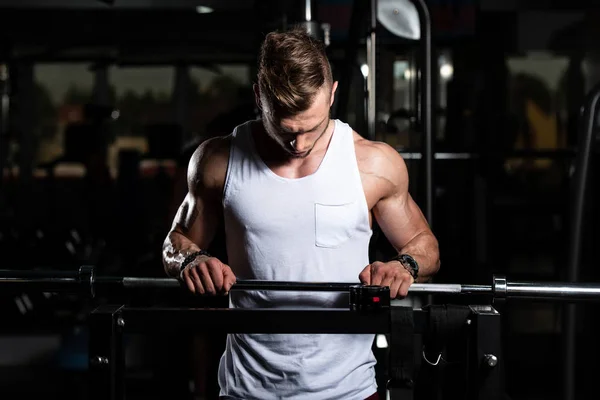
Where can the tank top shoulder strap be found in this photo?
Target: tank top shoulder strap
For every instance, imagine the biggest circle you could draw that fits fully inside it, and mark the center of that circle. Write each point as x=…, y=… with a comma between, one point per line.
x=240, y=139
x=343, y=157
x=341, y=149
x=240, y=154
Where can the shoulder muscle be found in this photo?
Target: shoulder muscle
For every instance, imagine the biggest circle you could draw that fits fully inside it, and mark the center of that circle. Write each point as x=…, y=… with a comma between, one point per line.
x=382, y=164
x=208, y=166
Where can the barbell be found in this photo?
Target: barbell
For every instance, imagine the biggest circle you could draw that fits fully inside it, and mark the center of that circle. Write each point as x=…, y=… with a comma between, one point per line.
x=85, y=281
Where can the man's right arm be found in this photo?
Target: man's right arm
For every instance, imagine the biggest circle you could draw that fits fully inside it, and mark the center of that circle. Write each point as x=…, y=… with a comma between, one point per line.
x=197, y=218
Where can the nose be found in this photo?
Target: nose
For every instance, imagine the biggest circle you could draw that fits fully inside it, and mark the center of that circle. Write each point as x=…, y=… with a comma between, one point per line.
x=300, y=144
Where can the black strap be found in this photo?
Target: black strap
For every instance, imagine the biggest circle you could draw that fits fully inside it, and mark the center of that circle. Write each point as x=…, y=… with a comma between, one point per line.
x=445, y=323
x=402, y=352
x=440, y=340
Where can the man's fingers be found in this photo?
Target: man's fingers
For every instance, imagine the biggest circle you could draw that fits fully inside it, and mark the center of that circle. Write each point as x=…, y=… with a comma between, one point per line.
x=215, y=270
x=395, y=287
x=228, y=279
x=205, y=278
x=403, y=291
x=387, y=274
x=188, y=281
x=365, y=275
x=209, y=276
x=196, y=280
x=387, y=280
x=377, y=274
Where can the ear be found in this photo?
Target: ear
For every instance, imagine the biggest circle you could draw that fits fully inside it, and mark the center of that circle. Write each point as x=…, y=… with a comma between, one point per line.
x=333, y=89
x=257, y=96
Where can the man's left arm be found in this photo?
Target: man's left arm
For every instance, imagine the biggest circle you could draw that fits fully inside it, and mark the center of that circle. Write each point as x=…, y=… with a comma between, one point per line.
x=403, y=224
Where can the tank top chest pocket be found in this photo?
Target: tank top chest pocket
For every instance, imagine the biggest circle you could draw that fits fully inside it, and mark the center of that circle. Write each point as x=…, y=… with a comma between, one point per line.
x=335, y=223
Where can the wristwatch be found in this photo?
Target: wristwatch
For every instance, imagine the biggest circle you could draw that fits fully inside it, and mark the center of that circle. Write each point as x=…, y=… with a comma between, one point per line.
x=409, y=263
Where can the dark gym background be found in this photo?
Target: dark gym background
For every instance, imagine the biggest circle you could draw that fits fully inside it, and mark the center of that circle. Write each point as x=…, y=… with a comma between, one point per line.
x=102, y=103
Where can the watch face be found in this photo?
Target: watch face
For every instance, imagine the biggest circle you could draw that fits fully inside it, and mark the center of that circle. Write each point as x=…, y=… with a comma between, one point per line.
x=410, y=262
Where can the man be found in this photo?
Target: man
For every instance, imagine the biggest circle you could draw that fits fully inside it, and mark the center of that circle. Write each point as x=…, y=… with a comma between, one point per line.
x=297, y=192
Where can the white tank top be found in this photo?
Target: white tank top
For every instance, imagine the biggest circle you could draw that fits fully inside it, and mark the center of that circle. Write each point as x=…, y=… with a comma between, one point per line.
x=316, y=229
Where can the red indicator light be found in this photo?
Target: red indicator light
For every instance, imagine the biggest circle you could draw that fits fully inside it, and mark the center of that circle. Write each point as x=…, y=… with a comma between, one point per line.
x=375, y=299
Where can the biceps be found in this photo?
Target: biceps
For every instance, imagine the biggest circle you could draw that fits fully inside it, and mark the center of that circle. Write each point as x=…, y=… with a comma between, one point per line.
x=400, y=219
x=197, y=219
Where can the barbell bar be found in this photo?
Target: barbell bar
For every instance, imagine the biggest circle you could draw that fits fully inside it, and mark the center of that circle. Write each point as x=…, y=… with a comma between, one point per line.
x=84, y=280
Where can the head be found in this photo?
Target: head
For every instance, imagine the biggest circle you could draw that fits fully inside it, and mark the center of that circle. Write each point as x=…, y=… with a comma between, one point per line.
x=295, y=90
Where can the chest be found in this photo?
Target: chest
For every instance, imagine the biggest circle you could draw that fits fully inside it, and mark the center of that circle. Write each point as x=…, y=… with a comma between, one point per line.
x=321, y=212
x=297, y=169
x=371, y=184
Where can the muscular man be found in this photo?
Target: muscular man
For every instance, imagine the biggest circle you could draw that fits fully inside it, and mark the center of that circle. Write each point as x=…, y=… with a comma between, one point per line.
x=297, y=191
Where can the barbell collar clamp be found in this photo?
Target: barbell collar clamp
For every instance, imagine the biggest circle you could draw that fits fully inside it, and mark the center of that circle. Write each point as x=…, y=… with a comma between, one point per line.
x=499, y=287
x=87, y=278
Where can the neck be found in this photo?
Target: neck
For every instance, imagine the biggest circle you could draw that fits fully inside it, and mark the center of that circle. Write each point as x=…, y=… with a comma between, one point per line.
x=272, y=152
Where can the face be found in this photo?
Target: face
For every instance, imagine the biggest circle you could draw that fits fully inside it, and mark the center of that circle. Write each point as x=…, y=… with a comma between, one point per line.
x=298, y=134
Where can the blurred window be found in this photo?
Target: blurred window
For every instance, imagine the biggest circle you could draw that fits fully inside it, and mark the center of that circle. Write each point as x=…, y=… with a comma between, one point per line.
x=222, y=97
x=537, y=108
x=61, y=92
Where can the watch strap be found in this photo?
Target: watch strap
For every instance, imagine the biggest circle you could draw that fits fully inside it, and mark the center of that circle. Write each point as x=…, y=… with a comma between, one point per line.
x=409, y=263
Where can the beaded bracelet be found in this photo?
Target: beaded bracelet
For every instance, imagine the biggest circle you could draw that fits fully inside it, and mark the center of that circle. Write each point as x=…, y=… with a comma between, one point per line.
x=191, y=258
